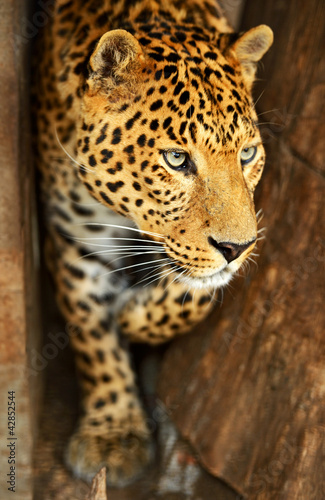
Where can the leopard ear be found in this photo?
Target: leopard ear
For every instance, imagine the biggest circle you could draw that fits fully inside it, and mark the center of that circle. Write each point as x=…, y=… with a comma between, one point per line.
x=116, y=58
x=249, y=48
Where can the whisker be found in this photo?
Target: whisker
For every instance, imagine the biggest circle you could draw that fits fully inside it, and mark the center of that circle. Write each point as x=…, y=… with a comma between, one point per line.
x=259, y=214
x=84, y=238
x=121, y=247
x=123, y=253
x=222, y=292
x=193, y=295
x=177, y=276
x=252, y=260
x=133, y=265
x=153, y=267
x=68, y=154
x=212, y=298
x=92, y=244
x=259, y=124
x=132, y=255
x=127, y=228
x=150, y=275
x=161, y=275
x=270, y=111
x=172, y=270
x=230, y=287
x=259, y=97
x=185, y=295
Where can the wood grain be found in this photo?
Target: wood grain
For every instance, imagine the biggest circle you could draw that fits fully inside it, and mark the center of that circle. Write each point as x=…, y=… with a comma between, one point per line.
x=19, y=321
x=98, y=486
x=247, y=389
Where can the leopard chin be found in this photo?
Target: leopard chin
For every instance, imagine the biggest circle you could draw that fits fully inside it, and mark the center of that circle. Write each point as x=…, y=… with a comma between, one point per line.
x=213, y=281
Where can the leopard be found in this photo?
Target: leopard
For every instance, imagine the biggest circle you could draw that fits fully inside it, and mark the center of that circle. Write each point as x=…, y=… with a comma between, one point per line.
x=149, y=153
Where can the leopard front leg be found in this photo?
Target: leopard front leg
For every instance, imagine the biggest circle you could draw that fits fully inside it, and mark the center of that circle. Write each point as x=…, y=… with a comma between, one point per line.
x=159, y=313
x=112, y=431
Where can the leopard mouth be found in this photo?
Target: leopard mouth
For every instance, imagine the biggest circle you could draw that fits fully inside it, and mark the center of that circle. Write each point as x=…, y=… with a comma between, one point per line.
x=214, y=280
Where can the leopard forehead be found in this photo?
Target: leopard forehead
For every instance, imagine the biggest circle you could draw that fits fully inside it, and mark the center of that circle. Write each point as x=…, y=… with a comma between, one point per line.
x=193, y=82
x=190, y=98
x=186, y=98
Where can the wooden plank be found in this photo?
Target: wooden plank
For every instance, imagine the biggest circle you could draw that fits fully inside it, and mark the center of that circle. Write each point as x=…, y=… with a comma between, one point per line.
x=19, y=323
x=98, y=486
x=247, y=390
x=293, y=87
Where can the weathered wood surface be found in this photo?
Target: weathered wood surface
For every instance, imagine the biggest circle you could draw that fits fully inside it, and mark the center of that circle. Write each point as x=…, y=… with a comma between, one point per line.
x=248, y=388
x=98, y=486
x=18, y=311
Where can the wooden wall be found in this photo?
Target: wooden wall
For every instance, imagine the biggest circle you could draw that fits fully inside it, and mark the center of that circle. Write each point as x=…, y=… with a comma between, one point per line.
x=247, y=389
x=19, y=323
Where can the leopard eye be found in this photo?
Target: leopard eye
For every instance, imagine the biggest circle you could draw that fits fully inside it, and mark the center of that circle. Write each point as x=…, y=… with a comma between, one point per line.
x=175, y=159
x=247, y=155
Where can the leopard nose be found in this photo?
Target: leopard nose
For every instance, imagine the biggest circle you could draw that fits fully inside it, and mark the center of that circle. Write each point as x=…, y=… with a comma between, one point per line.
x=230, y=251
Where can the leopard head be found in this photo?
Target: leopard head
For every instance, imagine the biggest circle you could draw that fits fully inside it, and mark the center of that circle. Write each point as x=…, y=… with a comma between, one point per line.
x=168, y=137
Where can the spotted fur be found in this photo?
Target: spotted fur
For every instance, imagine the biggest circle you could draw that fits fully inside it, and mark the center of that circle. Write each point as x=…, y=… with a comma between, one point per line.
x=137, y=246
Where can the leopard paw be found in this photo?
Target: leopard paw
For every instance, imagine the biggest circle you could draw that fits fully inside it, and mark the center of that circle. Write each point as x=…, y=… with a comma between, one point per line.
x=124, y=456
